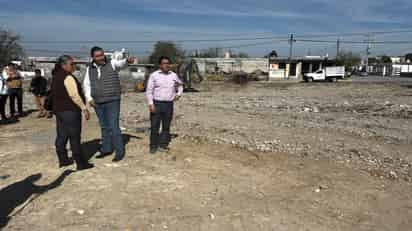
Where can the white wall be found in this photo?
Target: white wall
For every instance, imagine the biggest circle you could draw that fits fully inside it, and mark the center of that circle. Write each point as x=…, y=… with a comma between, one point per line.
x=247, y=65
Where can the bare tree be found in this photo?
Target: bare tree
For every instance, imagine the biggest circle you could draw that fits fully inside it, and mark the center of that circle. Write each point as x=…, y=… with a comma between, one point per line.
x=386, y=59
x=408, y=57
x=240, y=55
x=212, y=52
x=348, y=59
x=10, y=47
x=165, y=48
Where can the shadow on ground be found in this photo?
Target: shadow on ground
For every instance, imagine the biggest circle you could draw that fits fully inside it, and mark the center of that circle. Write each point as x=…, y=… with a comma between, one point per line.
x=3, y=177
x=28, y=113
x=90, y=148
x=24, y=192
x=9, y=121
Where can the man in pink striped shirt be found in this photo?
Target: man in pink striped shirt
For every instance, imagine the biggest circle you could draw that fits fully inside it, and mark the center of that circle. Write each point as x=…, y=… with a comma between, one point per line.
x=163, y=88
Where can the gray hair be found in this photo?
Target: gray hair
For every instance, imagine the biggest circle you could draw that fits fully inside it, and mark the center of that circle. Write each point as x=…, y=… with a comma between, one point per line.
x=63, y=59
x=60, y=62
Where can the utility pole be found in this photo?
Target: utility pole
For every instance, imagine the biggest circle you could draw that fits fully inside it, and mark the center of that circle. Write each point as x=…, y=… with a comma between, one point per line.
x=291, y=41
x=337, y=48
x=368, y=48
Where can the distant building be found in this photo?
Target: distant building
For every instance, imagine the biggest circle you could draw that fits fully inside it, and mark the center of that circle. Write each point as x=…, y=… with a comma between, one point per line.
x=285, y=68
x=398, y=59
x=230, y=65
x=402, y=69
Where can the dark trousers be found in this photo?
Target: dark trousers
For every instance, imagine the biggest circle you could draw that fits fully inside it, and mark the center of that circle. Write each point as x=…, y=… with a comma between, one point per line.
x=163, y=116
x=3, y=100
x=109, y=115
x=69, y=128
x=16, y=93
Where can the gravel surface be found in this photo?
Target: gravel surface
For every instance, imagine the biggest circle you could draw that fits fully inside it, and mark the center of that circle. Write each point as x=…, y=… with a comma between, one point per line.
x=266, y=156
x=366, y=126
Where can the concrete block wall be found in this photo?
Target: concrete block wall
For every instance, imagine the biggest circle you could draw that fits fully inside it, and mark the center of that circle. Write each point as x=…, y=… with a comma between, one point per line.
x=248, y=65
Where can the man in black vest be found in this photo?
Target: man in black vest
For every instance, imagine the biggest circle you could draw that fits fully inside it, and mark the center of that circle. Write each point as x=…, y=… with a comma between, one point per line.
x=103, y=92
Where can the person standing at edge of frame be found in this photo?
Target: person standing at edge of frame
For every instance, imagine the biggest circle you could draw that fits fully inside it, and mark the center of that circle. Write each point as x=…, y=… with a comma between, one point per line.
x=161, y=95
x=103, y=92
x=3, y=98
x=15, y=89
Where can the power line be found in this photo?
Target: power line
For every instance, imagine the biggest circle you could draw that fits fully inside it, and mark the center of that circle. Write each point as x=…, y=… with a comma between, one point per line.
x=135, y=51
x=56, y=51
x=243, y=45
x=354, y=42
x=153, y=41
x=254, y=44
x=269, y=40
x=86, y=53
x=355, y=33
x=230, y=39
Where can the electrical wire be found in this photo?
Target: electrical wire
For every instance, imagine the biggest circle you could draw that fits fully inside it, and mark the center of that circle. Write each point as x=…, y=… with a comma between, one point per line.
x=231, y=39
x=354, y=42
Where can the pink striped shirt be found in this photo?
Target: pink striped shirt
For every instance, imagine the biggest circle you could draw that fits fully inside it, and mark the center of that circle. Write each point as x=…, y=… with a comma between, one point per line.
x=162, y=87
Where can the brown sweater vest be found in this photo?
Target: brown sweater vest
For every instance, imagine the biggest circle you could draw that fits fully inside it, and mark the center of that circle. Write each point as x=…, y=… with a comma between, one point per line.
x=60, y=97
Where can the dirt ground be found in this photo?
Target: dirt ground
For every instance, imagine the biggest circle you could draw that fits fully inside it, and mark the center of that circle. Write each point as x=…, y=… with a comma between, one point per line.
x=261, y=157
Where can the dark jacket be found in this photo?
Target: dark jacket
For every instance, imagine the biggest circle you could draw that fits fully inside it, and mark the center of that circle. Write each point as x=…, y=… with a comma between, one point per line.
x=61, y=100
x=38, y=86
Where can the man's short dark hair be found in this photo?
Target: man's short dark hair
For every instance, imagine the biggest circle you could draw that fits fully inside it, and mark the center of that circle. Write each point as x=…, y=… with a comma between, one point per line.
x=164, y=58
x=11, y=65
x=94, y=49
x=37, y=71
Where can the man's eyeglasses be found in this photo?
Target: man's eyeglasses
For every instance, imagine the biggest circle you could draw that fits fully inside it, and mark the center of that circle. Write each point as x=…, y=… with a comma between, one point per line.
x=165, y=63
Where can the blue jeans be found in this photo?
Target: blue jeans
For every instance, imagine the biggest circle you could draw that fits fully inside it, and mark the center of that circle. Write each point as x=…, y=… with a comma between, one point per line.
x=108, y=114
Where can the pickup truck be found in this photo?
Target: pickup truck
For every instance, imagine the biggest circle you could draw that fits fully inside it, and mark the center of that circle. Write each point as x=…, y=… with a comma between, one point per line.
x=331, y=74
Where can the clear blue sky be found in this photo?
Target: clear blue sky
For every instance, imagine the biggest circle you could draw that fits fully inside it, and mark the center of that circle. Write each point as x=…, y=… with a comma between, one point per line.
x=200, y=19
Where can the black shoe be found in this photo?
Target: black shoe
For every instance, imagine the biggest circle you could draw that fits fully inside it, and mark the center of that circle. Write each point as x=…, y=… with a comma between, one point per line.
x=117, y=159
x=66, y=163
x=84, y=166
x=103, y=155
x=153, y=150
